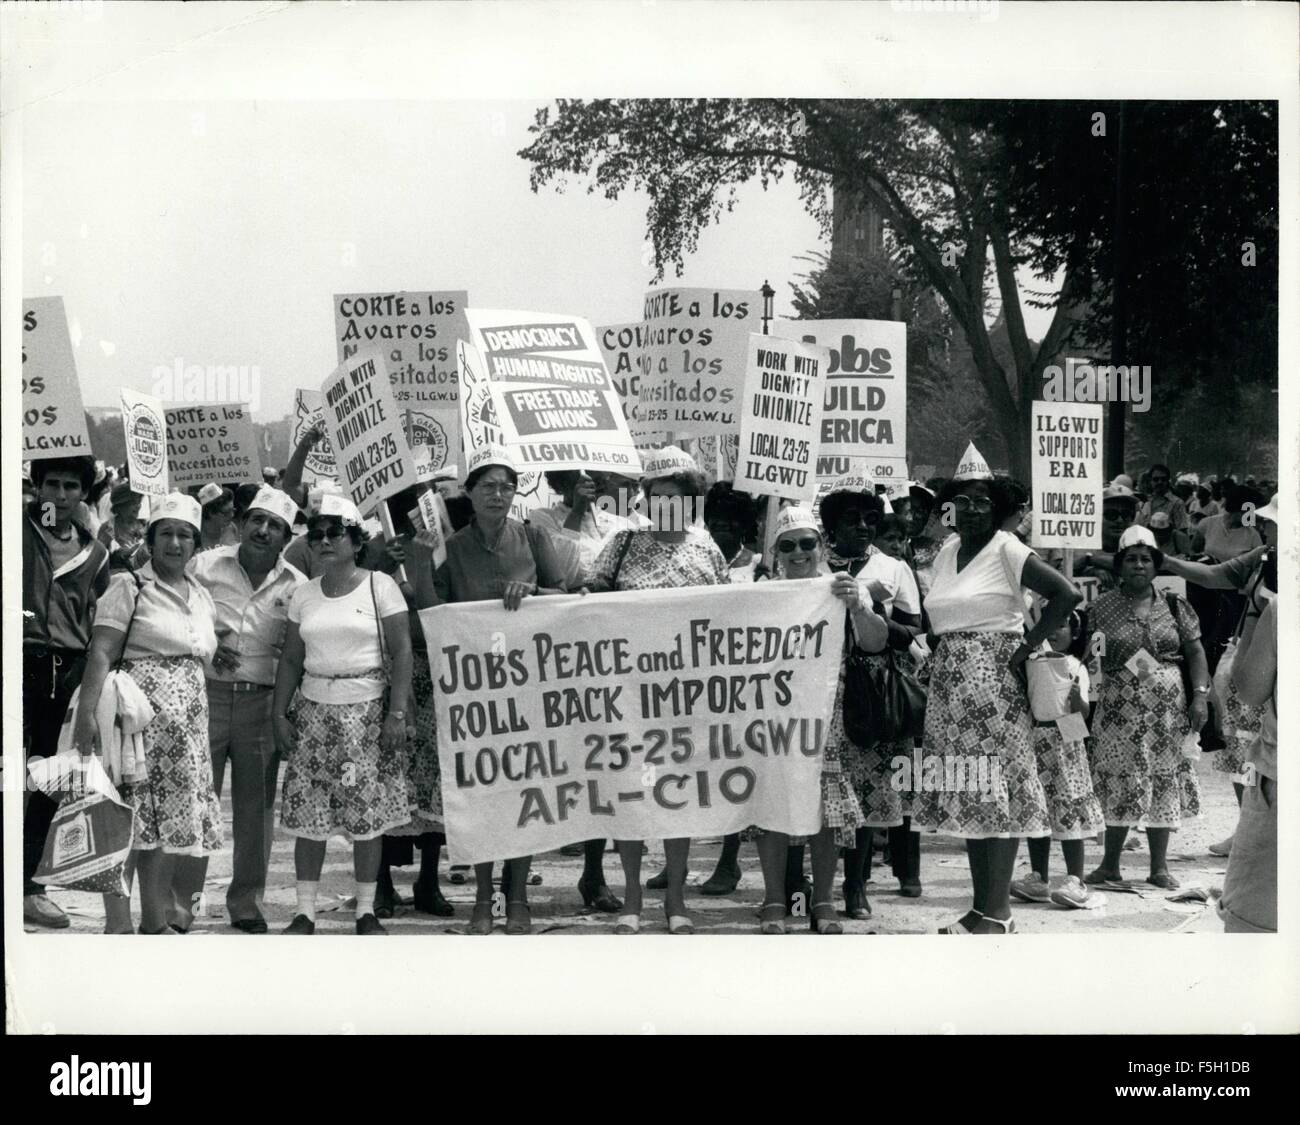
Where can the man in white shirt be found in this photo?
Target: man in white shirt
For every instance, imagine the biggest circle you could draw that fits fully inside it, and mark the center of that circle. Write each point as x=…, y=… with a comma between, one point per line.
x=251, y=585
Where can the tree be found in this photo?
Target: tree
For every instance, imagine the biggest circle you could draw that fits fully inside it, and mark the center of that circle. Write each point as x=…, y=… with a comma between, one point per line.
x=972, y=191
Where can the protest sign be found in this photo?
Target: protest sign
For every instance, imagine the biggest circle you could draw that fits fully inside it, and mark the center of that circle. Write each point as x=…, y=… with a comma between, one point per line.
x=479, y=427
x=54, y=420
x=307, y=414
x=638, y=715
x=431, y=516
x=623, y=346
x=555, y=402
x=693, y=366
x=866, y=473
x=417, y=332
x=145, y=429
x=366, y=430
x=211, y=442
x=1068, y=474
x=780, y=420
x=866, y=389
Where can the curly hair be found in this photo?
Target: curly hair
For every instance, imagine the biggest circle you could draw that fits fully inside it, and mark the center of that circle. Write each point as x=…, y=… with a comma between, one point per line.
x=1002, y=491
x=723, y=502
x=836, y=504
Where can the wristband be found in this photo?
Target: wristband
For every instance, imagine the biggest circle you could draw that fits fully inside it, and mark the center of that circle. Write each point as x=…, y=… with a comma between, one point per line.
x=1204, y=689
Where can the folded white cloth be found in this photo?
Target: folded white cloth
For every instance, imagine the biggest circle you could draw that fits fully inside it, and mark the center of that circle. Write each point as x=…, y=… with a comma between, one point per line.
x=121, y=716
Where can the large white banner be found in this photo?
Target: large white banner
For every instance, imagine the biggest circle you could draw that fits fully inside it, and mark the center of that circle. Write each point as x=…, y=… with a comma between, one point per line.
x=660, y=713
x=866, y=390
x=1068, y=474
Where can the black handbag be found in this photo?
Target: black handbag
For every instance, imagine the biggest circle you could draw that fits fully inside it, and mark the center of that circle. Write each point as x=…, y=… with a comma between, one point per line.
x=882, y=703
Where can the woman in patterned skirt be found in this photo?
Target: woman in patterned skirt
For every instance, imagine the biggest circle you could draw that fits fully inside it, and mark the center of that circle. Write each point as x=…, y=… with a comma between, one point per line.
x=977, y=725
x=345, y=735
x=1139, y=771
x=851, y=513
x=161, y=624
x=799, y=555
x=675, y=552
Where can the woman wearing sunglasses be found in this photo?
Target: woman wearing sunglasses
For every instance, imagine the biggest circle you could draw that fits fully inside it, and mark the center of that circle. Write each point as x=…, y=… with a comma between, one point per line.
x=851, y=514
x=347, y=655
x=978, y=729
x=496, y=557
x=799, y=556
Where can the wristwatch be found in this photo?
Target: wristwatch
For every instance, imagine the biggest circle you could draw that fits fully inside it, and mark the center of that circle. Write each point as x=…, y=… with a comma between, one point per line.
x=1204, y=689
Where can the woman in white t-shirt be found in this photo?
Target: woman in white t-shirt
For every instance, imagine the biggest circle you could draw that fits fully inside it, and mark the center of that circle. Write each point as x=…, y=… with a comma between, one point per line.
x=979, y=772
x=345, y=735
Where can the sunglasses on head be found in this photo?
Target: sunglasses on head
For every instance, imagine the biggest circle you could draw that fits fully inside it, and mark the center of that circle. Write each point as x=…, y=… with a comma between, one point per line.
x=319, y=533
x=787, y=546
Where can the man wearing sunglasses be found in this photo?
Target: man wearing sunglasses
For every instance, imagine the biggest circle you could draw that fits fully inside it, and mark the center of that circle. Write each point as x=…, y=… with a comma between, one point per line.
x=251, y=585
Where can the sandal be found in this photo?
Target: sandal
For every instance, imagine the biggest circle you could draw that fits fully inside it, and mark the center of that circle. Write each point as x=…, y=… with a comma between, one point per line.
x=1163, y=880
x=824, y=925
x=771, y=918
x=1100, y=875
x=628, y=924
x=959, y=926
x=519, y=919
x=480, y=922
x=680, y=924
x=1008, y=924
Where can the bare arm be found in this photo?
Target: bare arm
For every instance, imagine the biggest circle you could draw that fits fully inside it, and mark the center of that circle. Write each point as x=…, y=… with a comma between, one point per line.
x=1217, y=576
x=292, y=482
x=106, y=645
x=1062, y=598
x=287, y=678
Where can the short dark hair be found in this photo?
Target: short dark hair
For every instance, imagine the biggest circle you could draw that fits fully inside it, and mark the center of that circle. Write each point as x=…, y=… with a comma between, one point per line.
x=835, y=505
x=690, y=481
x=81, y=467
x=1019, y=492
x=724, y=502
x=476, y=475
x=1159, y=468
x=890, y=524
x=244, y=497
x=560, y=479
x=1117, y=559
x=1239, y=496
x=356, y=533
x=460, y=510
x=226, y=497
x=1000, y=492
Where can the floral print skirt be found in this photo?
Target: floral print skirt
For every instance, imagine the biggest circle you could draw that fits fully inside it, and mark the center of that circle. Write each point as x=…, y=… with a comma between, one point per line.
x=1072, y=806
x=423, y=777
x=176, y=806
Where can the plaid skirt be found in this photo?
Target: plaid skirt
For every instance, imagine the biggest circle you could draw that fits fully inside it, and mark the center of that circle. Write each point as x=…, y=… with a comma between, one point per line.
x=176, y=807
x=340, y=781
x=871, y=771
x=978, y=738
x=1139, y=772
x=1072, y=806
x=423, y=777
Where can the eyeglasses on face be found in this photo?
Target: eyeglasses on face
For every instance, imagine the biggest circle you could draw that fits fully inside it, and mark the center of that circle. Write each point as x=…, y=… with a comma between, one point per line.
x=973, y=503
x=331, y=533
x=495, y=488
x=854, y=516
x=788, y=546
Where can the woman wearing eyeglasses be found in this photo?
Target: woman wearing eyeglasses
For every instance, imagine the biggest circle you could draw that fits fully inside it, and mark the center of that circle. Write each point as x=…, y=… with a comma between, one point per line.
x=851, y=514
x=978, y=729
x=496, y=557
x=347, y=655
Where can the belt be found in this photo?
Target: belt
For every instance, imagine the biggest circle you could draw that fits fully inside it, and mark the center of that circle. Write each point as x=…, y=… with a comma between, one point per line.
x=241, y=685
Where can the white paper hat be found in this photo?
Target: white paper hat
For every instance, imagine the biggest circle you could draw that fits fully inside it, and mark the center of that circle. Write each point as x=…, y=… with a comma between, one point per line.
x=972, y=466
x=854, y=481
x=208, y=493
x=1137, y=536
x=490, y=455
x=177, y=506
x=332, y=504
x=795, y=518
x=667, y=462
x=1268, y=511
x=279, y=504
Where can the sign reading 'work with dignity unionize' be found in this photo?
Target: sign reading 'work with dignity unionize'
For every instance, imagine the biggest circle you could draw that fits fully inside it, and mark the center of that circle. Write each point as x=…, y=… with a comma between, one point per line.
x=211, y=442
x=555, y=402
x=417, y=333
x=643, y=715
x=781, y=418
x=54, y=421
x=1068, y=474
x=366, y=430
x=693, y=358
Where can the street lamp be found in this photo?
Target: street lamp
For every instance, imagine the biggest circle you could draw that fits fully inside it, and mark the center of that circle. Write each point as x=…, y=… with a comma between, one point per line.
x=768, y=293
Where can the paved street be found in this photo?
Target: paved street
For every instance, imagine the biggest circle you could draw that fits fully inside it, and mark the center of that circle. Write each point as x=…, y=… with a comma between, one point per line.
x=557, y=906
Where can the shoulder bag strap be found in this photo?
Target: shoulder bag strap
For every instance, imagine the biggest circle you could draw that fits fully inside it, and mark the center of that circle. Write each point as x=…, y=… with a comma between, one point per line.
x=622, y=554
x=126, y=639
x=379, y=625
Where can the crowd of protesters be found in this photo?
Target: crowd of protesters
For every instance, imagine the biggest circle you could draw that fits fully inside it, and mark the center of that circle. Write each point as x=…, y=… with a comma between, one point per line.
x=275, y=637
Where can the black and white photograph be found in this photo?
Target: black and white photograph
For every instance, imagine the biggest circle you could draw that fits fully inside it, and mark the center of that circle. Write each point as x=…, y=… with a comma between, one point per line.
x=500, y=474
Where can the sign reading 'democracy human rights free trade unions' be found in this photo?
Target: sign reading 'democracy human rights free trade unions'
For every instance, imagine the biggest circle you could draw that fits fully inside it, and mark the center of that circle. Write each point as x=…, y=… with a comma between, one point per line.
x=693, y=362
x=1068, y=474
x=209, y=442
x=780, y=422
x=649, y=714
x=365, y=429
x=866, y=386
x=54, y=421
x=555, y=402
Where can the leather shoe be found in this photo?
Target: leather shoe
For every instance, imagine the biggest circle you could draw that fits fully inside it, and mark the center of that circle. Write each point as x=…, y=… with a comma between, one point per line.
x=599, y=898
x=721, y=882
x=431, y=902
x=301, y=924
x=250, y=925
x=910, y=890
x=658, y=882
x=40, y=911
x=368, y=924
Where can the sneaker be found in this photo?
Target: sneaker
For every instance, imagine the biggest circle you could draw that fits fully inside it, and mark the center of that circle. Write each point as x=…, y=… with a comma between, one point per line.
x=40, y=911
x=301, y=924
x=1032, y=889
x=368, y=924
x=1223, y=847
x=459, y=875
x=1072, y=893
